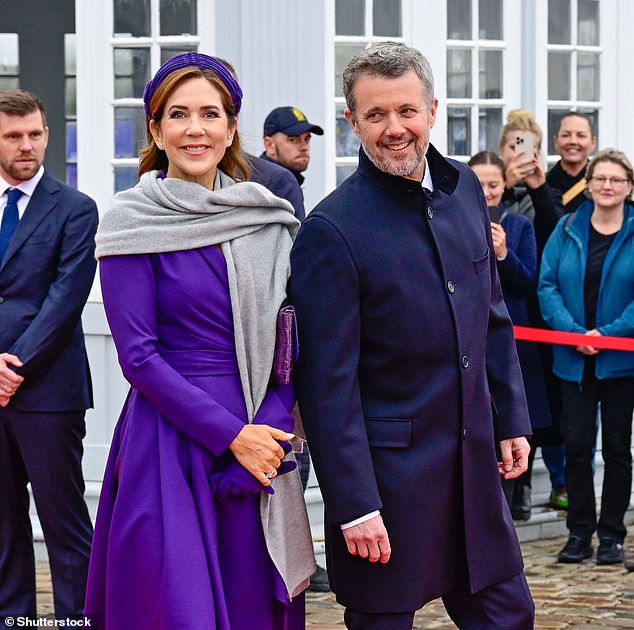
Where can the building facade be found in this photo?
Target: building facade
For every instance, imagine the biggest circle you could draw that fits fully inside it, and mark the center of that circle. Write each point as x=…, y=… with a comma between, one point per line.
x=90, y=59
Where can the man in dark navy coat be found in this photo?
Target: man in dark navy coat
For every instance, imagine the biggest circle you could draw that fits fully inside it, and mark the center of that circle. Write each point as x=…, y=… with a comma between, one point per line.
x=408, y=376
x=47, y=267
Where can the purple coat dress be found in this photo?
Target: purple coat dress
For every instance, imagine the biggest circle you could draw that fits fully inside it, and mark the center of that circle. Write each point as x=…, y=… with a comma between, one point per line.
x=170, y=549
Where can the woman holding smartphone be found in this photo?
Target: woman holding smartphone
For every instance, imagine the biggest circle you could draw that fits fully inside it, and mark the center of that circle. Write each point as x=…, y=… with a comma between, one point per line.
x=526, y=190
x=528, y=193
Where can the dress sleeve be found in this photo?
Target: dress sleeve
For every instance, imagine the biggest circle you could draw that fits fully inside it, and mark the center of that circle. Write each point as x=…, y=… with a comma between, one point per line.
x=128, y=286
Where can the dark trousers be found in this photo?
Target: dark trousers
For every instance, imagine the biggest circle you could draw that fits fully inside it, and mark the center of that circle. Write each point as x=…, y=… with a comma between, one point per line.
x=580, y=431
x=44, y=449
x=507, y=605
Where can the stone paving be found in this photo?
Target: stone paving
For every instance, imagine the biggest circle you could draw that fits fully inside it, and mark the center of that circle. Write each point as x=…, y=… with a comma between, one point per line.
x=566, y=595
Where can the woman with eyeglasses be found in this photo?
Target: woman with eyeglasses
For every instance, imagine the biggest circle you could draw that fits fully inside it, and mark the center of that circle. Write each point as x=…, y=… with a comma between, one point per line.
x=586, y=285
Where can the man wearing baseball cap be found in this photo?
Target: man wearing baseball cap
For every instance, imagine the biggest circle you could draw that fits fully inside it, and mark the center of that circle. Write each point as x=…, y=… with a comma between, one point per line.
x=287, y=135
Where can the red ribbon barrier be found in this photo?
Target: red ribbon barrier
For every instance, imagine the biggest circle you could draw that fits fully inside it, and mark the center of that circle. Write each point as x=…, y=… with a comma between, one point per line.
x=541, y=335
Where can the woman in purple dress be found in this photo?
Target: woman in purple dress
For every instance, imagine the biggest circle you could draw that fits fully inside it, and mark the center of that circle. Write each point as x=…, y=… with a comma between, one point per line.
x=197, y=526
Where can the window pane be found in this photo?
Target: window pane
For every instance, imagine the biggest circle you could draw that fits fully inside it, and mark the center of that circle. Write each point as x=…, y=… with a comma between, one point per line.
x=71, y=141
x=559, y=22
x=131, y=71
x=125, y=177
x=587, y=76
x=178, y=17
x=170, y=51
x=343, y=54
x=490, y=71
x=490, y=13
x=9, y=54
x=131, y=18
x=459, y=130
x=9, y=83
x=386, y=16
x=70, y=89
x=559, y=76
x=71, y=175
x=70, y=56
x=347, y=142
x=459, y=19
x=129, y=130
x=350, y=17
x=489, y=128
x=344, y=171
x=588, y=19
x=459, y=73
x=554, y=116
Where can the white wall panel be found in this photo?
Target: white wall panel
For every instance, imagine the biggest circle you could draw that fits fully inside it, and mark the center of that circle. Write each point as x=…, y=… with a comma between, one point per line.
x=279, y=50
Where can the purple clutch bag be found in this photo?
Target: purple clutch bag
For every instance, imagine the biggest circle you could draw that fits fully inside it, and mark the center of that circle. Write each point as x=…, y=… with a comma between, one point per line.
x=286, y=346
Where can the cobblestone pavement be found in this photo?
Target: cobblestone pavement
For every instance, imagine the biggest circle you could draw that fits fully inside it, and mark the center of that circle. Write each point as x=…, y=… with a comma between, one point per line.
x=566, y=595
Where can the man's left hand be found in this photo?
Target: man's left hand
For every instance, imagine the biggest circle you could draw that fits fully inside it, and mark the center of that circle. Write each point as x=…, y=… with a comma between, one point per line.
x=514, y=457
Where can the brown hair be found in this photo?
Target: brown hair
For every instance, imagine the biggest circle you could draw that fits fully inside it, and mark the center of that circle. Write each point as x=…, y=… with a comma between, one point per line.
x=233, y=162
x=521, y=120
x=616, y=157
x=488, y=157
x=21, y=103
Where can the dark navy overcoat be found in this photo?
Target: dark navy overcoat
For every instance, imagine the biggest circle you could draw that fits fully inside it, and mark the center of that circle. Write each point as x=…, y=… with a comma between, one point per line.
x=406, y=357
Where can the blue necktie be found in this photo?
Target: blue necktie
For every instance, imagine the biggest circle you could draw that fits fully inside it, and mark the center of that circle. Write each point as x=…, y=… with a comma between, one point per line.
x=10, y=220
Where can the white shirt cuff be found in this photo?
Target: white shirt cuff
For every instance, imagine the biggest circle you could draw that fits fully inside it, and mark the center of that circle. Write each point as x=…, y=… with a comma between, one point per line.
x=360, y=520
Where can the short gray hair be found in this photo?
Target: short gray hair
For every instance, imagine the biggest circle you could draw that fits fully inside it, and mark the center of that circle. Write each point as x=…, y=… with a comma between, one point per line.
x=389, y=60
x=616, y=157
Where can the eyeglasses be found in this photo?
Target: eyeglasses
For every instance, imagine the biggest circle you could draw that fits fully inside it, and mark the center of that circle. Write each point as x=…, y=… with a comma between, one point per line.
x=613, y=181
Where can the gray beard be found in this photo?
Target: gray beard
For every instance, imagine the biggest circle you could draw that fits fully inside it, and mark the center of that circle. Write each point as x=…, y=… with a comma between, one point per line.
x=392, y=167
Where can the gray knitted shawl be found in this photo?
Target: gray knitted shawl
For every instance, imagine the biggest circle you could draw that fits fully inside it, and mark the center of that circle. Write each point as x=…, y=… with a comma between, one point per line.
x=255, y=231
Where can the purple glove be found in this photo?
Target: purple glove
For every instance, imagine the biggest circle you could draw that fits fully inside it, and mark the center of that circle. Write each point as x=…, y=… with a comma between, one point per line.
x=235, y=479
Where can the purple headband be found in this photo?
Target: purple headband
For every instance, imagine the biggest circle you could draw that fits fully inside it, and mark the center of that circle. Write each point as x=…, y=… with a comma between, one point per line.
x=197, y=60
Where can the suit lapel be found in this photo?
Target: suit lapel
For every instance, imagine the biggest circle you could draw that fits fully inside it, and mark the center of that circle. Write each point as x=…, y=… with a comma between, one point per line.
x=40, y=205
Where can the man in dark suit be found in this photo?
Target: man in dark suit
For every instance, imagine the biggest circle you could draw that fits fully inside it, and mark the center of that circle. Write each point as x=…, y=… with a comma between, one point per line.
x=408, y=375
x=47, y=267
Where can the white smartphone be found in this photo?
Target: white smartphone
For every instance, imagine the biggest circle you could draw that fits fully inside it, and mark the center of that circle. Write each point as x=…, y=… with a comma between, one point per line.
x=525, y=143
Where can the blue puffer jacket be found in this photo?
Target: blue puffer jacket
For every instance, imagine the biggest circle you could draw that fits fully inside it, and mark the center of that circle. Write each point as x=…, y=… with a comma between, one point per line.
x=561, y=297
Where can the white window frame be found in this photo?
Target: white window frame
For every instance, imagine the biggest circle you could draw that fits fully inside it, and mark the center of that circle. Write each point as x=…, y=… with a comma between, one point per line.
x=574, y=49
x=474, y=102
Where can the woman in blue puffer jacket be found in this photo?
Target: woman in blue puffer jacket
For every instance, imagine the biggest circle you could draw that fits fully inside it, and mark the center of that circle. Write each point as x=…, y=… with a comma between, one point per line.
x=586, y=285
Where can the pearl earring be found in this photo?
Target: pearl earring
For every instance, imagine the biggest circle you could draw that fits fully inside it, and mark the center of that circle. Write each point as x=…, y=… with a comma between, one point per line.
x=160, y=146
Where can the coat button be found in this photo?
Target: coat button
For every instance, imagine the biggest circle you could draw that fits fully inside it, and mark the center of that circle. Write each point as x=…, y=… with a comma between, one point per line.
x=1, y=299
x=430, y=212
x=465, y=361
x=451, y=287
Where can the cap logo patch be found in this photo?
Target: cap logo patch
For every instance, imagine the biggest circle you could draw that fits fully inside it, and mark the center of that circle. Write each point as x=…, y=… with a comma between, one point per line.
x=300, y=117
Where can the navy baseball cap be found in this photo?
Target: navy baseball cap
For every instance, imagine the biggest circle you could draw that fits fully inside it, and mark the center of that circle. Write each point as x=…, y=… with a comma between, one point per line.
x=289, y=120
